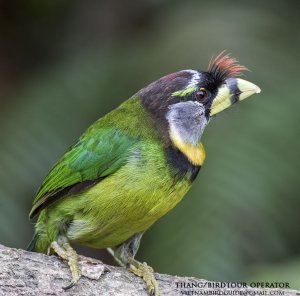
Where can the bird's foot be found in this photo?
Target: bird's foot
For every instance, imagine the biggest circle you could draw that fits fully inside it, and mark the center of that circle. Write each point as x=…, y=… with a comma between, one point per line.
x=147, y=274
x=66, y=252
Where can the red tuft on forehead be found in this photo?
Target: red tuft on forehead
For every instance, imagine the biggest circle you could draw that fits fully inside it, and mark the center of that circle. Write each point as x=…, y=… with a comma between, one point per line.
x=224, y=66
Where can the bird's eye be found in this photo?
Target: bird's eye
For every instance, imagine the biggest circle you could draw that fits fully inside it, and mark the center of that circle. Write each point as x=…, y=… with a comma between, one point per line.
x=201, y=95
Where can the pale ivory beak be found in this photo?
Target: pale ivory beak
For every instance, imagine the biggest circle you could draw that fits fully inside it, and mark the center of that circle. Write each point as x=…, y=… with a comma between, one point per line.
x=232, y=91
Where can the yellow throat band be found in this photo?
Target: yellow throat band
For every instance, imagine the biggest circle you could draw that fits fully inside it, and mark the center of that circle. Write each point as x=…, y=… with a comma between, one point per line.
x=195, y=154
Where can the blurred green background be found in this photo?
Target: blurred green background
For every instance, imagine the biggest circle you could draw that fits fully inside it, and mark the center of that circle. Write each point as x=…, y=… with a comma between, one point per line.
x=63, y=64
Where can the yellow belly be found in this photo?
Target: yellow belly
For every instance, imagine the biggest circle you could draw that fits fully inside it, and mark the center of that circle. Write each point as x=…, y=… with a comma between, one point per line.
x=114, y=213
x=123, y=204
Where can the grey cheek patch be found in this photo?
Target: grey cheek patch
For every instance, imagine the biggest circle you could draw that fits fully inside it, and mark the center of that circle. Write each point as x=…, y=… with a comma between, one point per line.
x=188, y=120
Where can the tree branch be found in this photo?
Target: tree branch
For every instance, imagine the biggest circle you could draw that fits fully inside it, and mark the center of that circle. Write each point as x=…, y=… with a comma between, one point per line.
x=26, y=273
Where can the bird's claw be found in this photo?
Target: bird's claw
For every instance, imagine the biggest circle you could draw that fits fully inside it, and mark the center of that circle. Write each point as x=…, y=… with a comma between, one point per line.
x=72, y=284
x=146, y=272
x=67, y=253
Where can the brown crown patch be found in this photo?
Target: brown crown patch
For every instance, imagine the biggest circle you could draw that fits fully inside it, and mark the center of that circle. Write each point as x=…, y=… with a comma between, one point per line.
x=224, y=66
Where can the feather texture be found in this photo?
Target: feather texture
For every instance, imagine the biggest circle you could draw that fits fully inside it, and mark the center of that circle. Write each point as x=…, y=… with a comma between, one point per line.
x=224, y=66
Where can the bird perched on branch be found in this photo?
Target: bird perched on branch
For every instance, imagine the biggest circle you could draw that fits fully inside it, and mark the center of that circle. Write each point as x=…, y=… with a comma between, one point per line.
x=132, y=166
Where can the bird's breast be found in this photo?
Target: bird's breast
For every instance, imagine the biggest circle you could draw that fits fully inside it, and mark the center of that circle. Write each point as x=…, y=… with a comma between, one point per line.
x=150, y=184
x=180, y=165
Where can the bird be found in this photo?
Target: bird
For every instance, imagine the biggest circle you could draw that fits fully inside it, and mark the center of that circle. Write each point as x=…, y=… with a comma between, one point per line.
x=132, y=166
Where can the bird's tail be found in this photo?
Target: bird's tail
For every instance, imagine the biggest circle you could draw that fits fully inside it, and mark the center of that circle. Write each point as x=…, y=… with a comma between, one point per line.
x=32, y=245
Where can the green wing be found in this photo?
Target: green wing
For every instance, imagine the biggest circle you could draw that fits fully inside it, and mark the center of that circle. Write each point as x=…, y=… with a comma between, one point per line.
x=98, y=153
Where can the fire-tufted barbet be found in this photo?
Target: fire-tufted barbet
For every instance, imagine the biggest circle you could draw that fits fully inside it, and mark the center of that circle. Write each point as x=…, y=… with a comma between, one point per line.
x=132, y=166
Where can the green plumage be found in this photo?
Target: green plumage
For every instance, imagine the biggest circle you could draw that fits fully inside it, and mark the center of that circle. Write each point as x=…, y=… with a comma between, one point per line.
x=132, y=166
x=137, y=186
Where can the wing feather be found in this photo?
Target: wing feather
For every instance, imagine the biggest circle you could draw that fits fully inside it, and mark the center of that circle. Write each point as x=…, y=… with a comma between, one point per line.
x=97, y=154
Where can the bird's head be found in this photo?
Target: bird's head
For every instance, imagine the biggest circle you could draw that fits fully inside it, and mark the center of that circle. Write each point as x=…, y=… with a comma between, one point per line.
x=184, y=101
